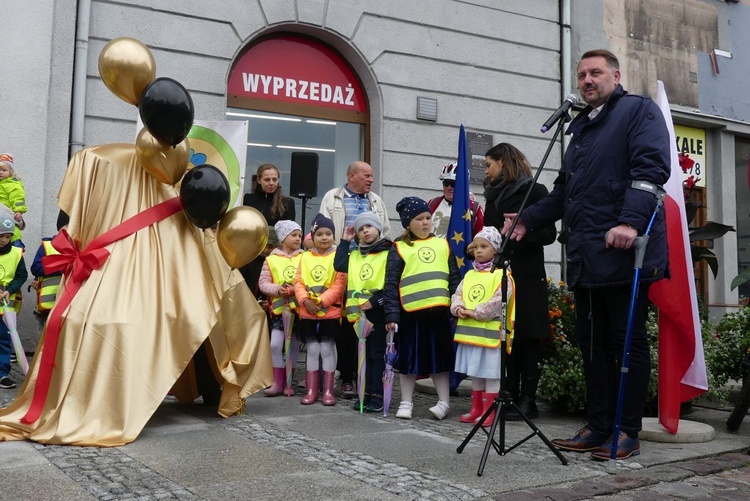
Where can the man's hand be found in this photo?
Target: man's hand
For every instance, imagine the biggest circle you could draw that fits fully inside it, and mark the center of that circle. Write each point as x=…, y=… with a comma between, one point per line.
x=518, y=232
x=621, y=237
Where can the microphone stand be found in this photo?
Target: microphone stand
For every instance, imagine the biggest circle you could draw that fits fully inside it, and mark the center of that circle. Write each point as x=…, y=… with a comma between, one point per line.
x=504, y=402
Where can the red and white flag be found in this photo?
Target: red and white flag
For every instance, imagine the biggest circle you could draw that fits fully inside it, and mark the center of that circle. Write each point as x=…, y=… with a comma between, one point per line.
x=682, y=368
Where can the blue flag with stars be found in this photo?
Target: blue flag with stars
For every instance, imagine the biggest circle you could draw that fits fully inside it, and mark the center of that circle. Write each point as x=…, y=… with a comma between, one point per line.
x=459, y=229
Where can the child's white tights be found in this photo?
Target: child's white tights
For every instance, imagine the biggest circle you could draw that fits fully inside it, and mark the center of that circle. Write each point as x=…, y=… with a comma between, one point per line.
x=485, y=385
x=441, y=382
x=323, y=349
x=277, y=348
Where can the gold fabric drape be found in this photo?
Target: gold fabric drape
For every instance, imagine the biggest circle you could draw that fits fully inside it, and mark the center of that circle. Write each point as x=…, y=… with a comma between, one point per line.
x=136, y=322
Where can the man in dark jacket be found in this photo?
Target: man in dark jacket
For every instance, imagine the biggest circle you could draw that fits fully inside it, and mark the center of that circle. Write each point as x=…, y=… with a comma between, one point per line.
x=619, y=143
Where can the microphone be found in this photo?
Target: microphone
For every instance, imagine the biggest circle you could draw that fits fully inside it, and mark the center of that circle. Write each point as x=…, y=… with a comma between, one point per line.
x=569, y=102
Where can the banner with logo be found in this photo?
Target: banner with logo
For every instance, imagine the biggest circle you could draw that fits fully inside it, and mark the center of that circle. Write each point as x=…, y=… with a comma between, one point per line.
x=223, y=145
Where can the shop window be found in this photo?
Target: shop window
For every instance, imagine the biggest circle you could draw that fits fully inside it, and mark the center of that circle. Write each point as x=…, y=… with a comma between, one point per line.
x=273, y=137
x=742, y=187
x=299, y=95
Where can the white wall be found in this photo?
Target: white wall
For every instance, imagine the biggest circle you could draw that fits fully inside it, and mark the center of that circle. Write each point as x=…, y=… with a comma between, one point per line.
x=491, y=65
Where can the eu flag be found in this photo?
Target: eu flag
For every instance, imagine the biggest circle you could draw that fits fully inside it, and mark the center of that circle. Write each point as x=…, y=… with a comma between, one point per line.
x=459, y=229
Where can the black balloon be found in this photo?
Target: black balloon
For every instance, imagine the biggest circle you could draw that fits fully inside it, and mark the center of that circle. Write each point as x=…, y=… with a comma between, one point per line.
x=167, y=110
x=205, y=195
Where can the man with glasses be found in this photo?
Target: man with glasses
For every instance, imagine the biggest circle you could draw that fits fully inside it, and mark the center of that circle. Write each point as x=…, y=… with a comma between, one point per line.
x=440, y=207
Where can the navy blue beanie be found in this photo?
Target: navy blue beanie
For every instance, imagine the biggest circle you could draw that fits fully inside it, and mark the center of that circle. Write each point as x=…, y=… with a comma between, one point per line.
x=319, y=222
x=409, y=208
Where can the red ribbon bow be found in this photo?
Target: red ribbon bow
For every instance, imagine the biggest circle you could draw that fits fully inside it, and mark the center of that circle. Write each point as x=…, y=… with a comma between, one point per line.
x=77, y=266
x=71, y=261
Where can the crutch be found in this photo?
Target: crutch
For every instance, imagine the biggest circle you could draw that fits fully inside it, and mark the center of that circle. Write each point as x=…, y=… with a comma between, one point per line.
x=639, y=245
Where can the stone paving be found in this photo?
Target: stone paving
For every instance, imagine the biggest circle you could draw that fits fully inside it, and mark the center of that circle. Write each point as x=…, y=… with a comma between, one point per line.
x=282, y=450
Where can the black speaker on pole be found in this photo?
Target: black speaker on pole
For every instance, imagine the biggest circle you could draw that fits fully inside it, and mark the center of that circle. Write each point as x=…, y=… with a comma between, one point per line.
x=304, y=183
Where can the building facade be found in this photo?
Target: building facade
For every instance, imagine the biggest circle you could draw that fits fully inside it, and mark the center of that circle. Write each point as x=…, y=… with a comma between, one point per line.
x=388, y=81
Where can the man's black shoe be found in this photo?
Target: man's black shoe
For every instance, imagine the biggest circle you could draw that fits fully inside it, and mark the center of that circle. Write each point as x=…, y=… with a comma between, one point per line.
x=586, y=440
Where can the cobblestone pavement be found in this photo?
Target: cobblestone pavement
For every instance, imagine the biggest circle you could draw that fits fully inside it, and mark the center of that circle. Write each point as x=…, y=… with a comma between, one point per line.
x=278, y=431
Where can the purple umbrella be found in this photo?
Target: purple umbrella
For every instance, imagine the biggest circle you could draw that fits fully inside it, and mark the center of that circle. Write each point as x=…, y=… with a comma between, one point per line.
x=9, y=317
x=390, y=360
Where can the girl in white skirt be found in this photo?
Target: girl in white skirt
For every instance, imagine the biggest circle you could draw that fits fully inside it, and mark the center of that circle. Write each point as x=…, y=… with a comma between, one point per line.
x=478, y=305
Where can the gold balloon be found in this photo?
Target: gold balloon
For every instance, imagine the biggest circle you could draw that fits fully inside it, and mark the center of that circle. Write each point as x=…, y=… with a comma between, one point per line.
x=163, y=162
x=126, y=67
x=242, y=235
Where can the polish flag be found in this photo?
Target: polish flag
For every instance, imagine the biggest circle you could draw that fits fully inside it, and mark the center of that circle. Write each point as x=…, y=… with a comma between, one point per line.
x=682, y=368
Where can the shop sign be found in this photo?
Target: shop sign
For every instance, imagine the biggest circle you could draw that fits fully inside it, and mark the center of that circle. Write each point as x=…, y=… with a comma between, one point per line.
x=691, y=148
x=299, y=70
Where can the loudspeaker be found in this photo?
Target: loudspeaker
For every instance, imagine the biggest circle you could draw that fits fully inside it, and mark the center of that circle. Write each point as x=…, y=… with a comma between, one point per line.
x=304, y=182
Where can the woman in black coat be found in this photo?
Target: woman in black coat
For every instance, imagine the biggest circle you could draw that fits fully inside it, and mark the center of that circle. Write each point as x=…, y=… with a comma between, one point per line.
x=508, y=177
x=270, y=201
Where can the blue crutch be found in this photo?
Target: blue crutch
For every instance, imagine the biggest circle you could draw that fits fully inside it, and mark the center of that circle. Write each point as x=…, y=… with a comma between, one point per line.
x=639, y=244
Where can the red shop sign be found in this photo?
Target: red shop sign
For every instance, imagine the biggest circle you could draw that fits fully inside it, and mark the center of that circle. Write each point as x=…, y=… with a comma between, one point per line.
x=296, y=70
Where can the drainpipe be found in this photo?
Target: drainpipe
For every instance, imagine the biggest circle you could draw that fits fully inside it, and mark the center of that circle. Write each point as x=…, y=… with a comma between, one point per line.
x=80, y=58
x=565, y=58
x=565, y=86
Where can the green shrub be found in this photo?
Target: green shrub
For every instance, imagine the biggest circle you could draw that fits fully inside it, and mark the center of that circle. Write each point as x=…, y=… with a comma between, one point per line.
x=562, y=382
x=725, y=345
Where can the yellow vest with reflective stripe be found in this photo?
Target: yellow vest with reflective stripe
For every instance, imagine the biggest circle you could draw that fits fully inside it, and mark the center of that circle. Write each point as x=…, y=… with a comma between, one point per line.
x=283, y=270
x=478, y=288
x=365, y=277
x=424, y=281
x=8, y=264
x=48, y=286
x=318, y=274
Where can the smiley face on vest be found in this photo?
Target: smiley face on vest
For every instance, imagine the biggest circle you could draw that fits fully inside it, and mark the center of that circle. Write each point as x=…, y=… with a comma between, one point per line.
x=426, y=255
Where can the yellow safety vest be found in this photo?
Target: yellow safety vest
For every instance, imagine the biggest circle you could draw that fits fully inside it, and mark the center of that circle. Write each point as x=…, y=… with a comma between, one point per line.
x=366, y=277
x=8, y=264
x=478, y=288
x=283, y=270
x=318, y=274
x=48, y=286
x=424, y=281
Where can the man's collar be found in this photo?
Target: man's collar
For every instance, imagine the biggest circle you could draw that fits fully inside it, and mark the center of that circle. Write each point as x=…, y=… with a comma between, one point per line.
x=350, y=193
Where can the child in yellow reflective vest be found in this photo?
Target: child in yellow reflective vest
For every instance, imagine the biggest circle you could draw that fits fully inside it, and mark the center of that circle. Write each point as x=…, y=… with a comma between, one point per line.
x=318, y=288
x=12, y=195
x=277, y=283
x=420, y=276
x=365, y=268
x=14, y=275
x=478, y=304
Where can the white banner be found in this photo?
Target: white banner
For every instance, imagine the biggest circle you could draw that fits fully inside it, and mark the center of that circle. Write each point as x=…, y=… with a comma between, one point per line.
x=223, y=145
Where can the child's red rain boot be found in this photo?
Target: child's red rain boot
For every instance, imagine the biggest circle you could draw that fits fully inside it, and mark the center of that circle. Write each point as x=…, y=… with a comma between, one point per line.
x=329, y=378
x=279, y=382
x=476, y=407
x=487, y=399
x=311, y=382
